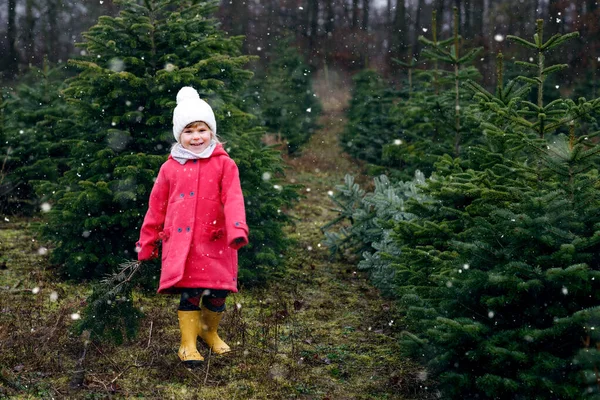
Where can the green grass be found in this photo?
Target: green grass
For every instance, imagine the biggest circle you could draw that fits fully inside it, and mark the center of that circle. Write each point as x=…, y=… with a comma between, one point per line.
x=320, y=332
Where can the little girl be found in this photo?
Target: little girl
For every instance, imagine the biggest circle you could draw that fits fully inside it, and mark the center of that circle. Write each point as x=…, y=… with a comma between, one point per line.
x=196, y=209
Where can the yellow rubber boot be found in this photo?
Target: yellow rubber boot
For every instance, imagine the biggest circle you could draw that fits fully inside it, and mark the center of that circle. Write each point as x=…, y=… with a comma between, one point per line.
x=209, y=322
x=188, y=324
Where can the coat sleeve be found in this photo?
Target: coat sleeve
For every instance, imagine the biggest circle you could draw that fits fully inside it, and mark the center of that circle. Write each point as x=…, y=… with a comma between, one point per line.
x=147, y=246
x=233, y=206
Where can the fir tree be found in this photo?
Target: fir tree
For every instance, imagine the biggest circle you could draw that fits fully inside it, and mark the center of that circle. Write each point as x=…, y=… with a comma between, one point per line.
x=436, y=119
x=123, y=97
x=502, y=267
x=286, y=102
x=498, y=266
x=369, y=126
x=365, y=221
x=409, y=129
x=37, y=122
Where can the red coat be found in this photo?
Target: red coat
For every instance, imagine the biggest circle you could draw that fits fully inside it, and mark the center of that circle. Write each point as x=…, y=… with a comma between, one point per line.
x=197, y=211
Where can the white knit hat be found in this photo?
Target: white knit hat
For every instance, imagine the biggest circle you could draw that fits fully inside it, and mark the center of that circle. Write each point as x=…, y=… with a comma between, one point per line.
x=190, y=108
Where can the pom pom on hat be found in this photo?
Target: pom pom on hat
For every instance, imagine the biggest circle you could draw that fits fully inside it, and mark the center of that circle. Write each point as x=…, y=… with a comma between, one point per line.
x=190, y=108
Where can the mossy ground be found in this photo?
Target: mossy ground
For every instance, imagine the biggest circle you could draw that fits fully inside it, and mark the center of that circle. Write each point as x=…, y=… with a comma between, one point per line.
x=319, y=332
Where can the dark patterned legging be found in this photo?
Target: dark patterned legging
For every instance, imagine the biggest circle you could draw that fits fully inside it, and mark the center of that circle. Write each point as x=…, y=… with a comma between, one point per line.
x=212, y=299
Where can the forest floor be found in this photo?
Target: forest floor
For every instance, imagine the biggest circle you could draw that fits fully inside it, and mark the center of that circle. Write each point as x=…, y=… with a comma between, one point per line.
x=320, y=332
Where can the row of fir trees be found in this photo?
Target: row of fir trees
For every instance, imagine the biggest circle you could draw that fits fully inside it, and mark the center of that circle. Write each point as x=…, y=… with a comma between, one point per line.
x=486, y=228
x=83, y=142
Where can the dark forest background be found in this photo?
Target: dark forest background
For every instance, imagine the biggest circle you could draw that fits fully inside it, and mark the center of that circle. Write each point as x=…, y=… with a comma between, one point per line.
x=348, y=34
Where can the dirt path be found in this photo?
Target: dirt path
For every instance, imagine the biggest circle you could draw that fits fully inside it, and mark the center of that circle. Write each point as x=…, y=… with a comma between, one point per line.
x=320, y=332
x=339, y=334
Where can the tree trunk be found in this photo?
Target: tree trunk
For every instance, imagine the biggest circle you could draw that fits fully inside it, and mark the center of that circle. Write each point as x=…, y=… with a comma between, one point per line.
x=468, y=20
x=478, y=17
x=239, y=17
x=439, y=8
x=28, y=38
x=556, y=14
x=399, y=34
x=313, y=22
x=365, y=21
x=354, y=14
x=12, y=62
x=417, y=28
x=330, y=21
x=52, y=33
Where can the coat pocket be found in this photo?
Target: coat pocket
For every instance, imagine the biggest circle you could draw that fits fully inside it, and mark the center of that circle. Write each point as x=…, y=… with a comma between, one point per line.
x=165, y=237
x=214, y=242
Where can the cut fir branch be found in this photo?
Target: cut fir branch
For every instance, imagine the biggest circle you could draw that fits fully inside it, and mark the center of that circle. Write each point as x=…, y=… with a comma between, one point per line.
x=109, y=312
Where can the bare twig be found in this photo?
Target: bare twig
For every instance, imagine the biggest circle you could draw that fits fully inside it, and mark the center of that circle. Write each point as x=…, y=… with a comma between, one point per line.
x=150, y=335
x=105, y=356
x=136, y=365
x=189, y=371
x=98, y=380
x=207, y=366
x=78, y=376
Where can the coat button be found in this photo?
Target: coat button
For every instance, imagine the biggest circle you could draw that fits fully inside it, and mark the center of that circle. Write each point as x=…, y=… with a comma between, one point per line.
x=179, y=230
x=195, y=161
x=181, y=195
x=237, y=224
x=191, y=193
x=187, y=229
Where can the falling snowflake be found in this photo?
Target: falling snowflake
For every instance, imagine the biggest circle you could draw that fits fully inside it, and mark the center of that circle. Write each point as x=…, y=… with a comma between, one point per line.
x=116, y=65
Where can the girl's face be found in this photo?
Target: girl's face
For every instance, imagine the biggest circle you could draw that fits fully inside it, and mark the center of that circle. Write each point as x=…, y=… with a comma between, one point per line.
x=196, y=137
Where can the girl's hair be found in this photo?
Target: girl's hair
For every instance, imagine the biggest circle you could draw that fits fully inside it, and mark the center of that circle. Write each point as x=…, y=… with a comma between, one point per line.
x=195, y=123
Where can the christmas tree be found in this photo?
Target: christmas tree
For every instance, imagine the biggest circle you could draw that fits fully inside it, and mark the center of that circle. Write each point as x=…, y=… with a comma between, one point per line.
x=285, y=100
x=130, y=71
x=500, y=270
x=36, y=124
x=497, y=266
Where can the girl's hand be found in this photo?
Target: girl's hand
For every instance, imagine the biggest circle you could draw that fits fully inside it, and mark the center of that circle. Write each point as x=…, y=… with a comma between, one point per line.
x=239, y=242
